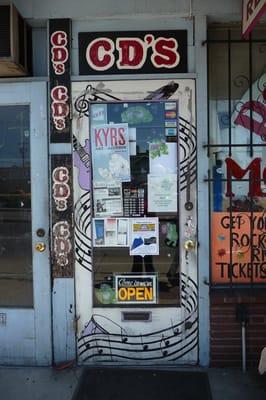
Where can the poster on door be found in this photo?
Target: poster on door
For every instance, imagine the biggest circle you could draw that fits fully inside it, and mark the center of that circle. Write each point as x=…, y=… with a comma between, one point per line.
x=110, y=232
x=162, y=193
x=107, y=198
x=110, y=153
x=144, y=237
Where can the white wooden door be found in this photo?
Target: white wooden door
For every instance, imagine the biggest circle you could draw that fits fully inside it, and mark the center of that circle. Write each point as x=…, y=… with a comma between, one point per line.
x=25, y=299
x=165, y=332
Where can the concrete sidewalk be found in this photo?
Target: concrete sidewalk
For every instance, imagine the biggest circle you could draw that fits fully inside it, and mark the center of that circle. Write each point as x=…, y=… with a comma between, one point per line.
x=40, y=383
x=37, y=383
x=233, y=384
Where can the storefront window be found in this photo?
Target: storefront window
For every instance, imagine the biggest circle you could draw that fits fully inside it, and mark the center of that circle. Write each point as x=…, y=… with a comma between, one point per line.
x=135, y=203
x=237, y=153
x=15, y=207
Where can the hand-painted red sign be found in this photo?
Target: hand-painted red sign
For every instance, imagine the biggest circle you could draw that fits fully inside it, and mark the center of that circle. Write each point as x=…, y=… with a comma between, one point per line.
x=256, y=175
x=255, y=124
x=238, y=247
x=252, y=11
x=141, y=52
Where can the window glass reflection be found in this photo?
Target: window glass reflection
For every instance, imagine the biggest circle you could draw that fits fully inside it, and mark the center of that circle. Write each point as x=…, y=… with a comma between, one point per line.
x=15, y=207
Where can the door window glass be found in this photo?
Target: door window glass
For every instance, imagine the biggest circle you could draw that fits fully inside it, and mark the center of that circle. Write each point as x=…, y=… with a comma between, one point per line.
x=15, y=207
x=135, y=203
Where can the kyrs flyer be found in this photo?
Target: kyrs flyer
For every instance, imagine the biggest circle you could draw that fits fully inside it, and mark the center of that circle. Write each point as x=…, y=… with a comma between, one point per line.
x=110, y=152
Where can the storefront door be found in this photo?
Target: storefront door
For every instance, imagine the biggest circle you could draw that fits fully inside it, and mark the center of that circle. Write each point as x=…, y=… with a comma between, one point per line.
x=25, y=310
x=134, y=154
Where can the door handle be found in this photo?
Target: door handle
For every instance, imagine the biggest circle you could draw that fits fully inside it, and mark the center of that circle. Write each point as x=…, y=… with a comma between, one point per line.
x=189, y=245
x=40, y=246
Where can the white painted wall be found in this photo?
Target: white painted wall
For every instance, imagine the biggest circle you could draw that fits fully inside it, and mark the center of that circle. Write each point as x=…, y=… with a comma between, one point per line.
x=90, y=9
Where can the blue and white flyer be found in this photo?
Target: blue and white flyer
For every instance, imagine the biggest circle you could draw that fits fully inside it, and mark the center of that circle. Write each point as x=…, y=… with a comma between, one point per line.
x=110, y=152
x=144, y=237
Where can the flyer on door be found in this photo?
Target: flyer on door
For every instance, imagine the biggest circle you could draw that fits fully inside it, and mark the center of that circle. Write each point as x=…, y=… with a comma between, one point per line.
x=110, y=152
x=144, y=237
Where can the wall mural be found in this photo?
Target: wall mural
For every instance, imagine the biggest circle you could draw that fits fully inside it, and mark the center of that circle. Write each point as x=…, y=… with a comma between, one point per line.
x=170, y=343
x=173, y=334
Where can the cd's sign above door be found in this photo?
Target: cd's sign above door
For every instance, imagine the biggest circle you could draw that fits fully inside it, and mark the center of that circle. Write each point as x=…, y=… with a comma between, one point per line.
x=135, y=52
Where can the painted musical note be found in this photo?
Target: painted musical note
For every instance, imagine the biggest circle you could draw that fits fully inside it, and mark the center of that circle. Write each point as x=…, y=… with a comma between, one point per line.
x=99, y=350
x=174, y=328
x=144, y=346
x=164, y=351
x=110, y=347
x=124, y=337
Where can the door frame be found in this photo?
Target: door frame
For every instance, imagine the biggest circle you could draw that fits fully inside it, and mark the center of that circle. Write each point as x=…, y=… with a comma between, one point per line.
x=96, y=324
x=28, y=330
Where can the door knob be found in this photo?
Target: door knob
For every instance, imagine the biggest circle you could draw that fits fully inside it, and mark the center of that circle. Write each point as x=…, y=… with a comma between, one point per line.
x=189, y=245
x=40, y=246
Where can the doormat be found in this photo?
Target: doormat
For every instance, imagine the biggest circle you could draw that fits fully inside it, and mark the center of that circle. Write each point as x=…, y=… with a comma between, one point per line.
x=141, y=384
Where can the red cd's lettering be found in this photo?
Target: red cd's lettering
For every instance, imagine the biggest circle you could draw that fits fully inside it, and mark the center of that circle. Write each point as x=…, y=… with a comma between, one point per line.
x=99, y=54
x=59, y=69
x=61, y=188
x=165, y=53
x=132, y=53
x=59, y=38
x=60, y=54
x=59, y=106
x=60, y=174
x=59, y=93
x=62, y=245
x=59, y=51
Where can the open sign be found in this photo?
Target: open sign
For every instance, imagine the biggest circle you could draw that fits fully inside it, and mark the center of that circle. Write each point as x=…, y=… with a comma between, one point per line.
x=136, y=289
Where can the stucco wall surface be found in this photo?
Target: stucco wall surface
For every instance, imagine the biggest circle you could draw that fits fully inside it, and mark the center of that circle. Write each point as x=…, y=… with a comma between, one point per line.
x=89, y=9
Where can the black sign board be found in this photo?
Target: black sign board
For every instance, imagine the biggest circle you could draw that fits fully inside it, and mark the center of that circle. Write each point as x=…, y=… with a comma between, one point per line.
x=59, y=71
x=148, y=52
x=62, y=201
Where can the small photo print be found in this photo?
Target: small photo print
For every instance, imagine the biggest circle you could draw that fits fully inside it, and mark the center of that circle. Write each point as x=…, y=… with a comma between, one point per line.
x=170, y=105
x=170, y=131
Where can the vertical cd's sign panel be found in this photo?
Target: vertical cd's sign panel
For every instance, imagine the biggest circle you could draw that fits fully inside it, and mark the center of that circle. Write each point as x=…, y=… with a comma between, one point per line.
x=136, y=52
x=62, y=200
x=59, y=70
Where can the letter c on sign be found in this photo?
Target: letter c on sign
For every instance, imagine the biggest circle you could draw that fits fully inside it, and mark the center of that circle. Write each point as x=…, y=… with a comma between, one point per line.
x=99, y=54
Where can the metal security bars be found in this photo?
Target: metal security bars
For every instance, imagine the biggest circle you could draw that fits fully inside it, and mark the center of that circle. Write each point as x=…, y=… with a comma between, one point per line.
x=236, y=149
